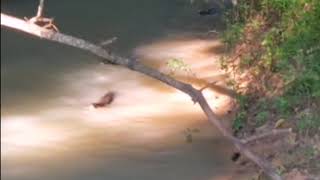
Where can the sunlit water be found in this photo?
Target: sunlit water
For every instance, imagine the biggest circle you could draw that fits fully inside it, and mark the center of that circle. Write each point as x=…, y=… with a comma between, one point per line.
x=49, y=131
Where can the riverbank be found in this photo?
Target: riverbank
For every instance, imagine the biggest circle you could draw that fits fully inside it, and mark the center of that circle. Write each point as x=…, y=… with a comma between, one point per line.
x=274, y=67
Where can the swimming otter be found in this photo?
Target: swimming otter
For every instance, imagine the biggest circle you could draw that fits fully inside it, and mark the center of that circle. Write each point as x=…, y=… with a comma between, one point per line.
x=104, y=100
x=211, y=11
x=235, y=156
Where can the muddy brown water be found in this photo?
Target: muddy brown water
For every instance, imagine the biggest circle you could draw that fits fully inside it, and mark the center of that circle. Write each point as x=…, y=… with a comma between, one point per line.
x=48, y=130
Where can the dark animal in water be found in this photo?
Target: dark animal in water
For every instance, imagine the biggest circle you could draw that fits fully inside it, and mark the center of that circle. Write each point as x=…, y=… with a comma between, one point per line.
x=104, y=100
x=211, y=11
x=235, y=156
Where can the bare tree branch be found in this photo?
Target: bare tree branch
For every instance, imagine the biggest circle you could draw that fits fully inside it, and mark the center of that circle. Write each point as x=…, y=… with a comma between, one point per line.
x=40, y=9
x=274, y=132
x=108, y=57
x=207, y=85
x=108, y=41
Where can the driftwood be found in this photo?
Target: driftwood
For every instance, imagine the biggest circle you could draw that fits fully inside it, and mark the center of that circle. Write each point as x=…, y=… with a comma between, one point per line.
x=108, y=57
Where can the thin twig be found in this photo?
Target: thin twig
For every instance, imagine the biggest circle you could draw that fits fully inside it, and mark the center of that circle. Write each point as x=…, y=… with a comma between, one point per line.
x=108, y=41
x=40, y=9
x=274, y=132
x=207, y=85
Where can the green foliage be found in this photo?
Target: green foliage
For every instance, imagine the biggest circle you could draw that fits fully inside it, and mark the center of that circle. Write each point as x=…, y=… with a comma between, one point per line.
x=233, y=35
x=263, y=104
x=277, y=5
x=290, y=46
x=300, y=52
x=305, y=85
x=223, y=62
x=282, y=105
x=246, y=61
x=243, y=101
x=271, y=43
x=241, y=12
x=294, y=31
x=177, y=64
x=239, y=121
x=308, y=121
x=241, y=116
x=263, y=114
x=261, y=118
x=310, y=152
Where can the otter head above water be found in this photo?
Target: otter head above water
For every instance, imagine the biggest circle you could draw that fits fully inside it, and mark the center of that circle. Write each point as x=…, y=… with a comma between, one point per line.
x=211, y=11
x=104, y=100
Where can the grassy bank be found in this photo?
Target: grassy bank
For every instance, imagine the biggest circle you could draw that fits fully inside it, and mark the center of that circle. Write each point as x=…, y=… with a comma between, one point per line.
x=274, y=65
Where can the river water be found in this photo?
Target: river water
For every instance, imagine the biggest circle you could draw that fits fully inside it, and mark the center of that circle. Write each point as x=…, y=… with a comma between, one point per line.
x=49, y=131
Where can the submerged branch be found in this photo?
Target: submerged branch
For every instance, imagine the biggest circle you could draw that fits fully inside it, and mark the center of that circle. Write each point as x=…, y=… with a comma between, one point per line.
x=108, y=57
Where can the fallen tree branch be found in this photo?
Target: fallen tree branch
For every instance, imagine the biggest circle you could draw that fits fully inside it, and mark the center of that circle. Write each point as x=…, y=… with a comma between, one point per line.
x=274, y=132
x=108, y=57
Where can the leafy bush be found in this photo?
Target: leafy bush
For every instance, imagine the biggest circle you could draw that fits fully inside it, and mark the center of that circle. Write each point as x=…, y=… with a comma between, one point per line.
x=233, y=35
x=261, y=118
x=239, y=121
x=282, y=105
x=308, y=122
x=290, y=46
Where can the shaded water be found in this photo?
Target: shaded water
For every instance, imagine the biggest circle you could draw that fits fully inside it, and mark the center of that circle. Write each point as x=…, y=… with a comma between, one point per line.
x=48, y=130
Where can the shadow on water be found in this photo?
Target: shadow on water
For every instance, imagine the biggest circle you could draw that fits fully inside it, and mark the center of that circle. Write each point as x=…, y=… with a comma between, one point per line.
x=48, y=130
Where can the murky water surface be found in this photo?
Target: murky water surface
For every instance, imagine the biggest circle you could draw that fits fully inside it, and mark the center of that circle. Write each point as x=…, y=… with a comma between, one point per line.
x=48, y=130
